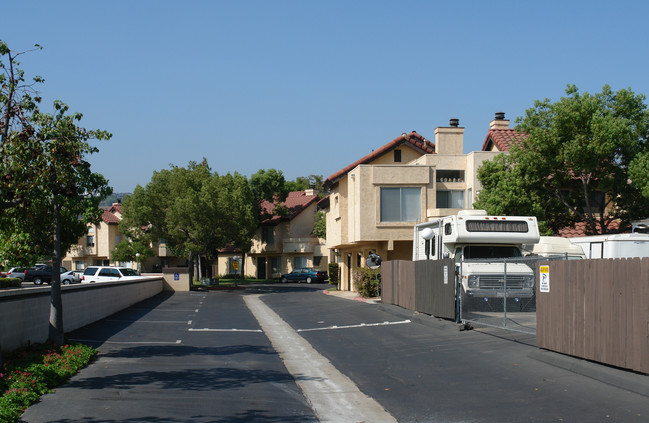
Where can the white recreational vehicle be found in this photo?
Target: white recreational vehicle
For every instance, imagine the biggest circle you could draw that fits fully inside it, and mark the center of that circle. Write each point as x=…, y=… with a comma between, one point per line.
x=554, y=246
x=614, y=246
x=478, y=243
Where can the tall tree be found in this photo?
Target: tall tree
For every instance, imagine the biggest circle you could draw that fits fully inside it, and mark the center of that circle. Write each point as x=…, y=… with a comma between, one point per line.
x=302, y=183
x=243, y=211
x=48, y=193
x=196, y=211
x=574, y=164
x=18, y=102
x=269, y=185
x=65, y=195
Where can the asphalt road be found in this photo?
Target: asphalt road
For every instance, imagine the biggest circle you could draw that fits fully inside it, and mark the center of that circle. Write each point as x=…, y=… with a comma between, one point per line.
x=205, y=357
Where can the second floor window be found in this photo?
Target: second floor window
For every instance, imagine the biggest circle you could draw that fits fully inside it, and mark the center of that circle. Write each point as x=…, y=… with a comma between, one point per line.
x=90, y=240
x=400, y=204
x=451, y=199
x=268, y=235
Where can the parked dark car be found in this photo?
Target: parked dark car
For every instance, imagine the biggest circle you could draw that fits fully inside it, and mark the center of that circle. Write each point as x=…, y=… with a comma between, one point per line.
x=306, y=274
x=41, y=274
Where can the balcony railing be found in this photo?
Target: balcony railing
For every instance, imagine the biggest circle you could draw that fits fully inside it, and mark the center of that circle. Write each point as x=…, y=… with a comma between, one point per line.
x=299, y=245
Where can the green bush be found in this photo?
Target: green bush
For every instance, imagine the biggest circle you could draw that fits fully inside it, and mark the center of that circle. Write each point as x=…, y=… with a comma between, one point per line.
x=30, y=372
x=366, y=282
x=333, y=272
x=10, y=282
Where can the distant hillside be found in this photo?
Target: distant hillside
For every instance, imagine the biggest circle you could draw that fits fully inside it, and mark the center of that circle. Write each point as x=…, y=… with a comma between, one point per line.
x=115, y=197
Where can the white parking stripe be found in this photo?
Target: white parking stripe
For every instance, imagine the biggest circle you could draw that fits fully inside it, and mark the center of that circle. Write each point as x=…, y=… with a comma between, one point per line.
x=331, y=394
x=360, y=325
x=145, y=321
x=224, y=330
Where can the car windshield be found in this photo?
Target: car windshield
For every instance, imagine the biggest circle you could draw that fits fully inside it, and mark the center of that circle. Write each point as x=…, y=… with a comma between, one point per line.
x=128, y=272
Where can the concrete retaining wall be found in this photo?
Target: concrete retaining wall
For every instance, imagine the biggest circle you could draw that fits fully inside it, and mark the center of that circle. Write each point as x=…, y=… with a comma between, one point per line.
x=24, y=313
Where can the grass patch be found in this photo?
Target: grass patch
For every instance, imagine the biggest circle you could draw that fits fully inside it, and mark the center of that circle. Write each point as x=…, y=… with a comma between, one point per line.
x=30, y=372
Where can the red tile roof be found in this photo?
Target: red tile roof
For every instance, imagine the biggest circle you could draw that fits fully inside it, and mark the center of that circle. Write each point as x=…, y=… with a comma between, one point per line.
x=229, y=249
x=296, y=202
x=503, y=139
x=580, y=229
x=110, y=214
x=412, y=139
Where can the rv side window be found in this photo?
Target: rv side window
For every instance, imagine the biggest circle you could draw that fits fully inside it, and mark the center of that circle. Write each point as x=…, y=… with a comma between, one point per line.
x=458, y=253
x=447, y=229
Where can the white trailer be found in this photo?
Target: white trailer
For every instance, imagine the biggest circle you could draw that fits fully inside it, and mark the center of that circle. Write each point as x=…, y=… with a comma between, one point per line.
x=554, y=246
x=614, y=246
x=479, y=244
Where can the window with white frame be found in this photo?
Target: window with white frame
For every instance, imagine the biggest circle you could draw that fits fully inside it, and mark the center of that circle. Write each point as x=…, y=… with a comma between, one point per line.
x=450, y=199
x=400, y=204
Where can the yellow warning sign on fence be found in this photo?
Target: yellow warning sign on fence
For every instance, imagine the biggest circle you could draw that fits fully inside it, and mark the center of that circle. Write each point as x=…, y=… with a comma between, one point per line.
x=544, y=278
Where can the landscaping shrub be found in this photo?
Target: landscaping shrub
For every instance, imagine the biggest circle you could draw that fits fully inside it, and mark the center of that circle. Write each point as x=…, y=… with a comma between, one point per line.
x=366, y=282
x=334, y=273
x=32, y=371
x=10, y=282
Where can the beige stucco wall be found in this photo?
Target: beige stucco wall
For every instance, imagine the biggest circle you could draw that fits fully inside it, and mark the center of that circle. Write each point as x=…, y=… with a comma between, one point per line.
x=408, y=154
x=24, y=314
x=353, y=223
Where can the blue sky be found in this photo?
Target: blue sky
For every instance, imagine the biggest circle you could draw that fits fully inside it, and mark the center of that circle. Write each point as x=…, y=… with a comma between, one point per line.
x=308, y=87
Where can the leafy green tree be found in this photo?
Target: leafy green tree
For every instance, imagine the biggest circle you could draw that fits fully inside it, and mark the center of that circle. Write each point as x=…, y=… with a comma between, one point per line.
x=574, y=164
x=17, y=104
x=302, y=183
x=243, y=211
x=132, y=250
x=320, y=225
x=196, y=211
x=49, y=192
x=269, y=185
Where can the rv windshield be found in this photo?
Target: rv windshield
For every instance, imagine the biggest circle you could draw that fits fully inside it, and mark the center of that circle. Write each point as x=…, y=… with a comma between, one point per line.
x=491, y=251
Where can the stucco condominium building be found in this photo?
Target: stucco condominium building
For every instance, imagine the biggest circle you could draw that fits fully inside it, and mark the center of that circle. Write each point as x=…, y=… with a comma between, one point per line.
x=95, y=248
x=282, y=242
x=375, y=202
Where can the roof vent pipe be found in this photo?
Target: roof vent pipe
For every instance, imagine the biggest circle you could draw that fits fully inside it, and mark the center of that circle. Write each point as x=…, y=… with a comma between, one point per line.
x=454, y=122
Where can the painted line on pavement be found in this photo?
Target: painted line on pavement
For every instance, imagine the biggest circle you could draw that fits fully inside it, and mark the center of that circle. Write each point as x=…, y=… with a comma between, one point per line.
x=360, y=325
x=332, y=395
x=225, y=330
x=145, y=321
x=157, y=309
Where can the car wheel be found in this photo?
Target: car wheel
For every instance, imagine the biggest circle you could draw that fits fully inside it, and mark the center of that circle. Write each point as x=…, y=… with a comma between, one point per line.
x=66, y=282
x=308, y=279
x=38, y=281
x=284, y=280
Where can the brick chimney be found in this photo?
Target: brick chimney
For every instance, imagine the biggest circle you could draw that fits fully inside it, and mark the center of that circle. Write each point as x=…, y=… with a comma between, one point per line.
x=449, y=140
x=499, y=122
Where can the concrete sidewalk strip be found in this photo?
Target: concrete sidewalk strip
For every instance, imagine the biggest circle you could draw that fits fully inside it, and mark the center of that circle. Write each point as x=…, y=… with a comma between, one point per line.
x=332, y=395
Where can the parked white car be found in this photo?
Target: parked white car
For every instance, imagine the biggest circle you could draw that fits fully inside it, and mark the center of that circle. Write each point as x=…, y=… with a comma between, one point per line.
x=108, y=273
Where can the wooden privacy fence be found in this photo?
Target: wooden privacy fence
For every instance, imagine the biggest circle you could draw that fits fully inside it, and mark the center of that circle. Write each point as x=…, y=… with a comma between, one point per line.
x=427, y=286
x=596, y=309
